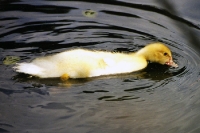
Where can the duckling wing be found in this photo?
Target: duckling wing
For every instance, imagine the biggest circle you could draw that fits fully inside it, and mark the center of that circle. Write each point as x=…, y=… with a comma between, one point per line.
x=119, y=63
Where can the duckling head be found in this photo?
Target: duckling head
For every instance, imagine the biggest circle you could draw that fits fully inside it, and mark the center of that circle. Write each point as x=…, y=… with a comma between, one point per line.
x=159, y=53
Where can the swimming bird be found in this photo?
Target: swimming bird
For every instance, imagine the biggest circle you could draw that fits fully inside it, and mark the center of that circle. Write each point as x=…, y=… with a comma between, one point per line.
x=82, y=63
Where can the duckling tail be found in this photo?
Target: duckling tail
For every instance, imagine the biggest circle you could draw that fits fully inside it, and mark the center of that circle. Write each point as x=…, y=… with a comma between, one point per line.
x=29, y=68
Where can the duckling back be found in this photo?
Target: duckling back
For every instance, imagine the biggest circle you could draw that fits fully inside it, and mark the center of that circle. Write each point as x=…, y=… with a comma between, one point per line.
x=76, y=63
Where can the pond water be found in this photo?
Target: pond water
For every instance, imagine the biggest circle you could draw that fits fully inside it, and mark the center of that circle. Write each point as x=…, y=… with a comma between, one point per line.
x=154, y=100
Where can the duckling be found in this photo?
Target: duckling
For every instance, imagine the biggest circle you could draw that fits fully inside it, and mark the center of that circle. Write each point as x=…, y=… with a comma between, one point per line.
x=81, y=63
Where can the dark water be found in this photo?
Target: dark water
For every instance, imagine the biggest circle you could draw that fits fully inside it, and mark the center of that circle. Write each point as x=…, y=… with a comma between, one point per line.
x=157, y=99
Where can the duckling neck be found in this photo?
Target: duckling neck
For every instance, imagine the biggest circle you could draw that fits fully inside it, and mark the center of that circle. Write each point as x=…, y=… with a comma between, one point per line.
x=143, y=53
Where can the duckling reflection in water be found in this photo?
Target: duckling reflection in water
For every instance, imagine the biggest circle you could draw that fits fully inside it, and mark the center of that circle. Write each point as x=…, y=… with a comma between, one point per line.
x=81, y=63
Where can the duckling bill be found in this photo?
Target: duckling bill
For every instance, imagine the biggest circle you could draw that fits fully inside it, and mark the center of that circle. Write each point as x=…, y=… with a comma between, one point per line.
x=81, y=63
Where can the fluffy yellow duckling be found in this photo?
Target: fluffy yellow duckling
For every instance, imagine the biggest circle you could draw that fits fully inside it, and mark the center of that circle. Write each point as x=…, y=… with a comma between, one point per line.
x=80, y=63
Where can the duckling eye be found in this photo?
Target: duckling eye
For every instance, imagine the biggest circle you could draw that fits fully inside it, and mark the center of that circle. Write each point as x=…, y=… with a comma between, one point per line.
x=165, y=54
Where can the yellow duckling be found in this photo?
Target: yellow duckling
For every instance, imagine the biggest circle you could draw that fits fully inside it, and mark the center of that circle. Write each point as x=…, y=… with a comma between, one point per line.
x=80, y=63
